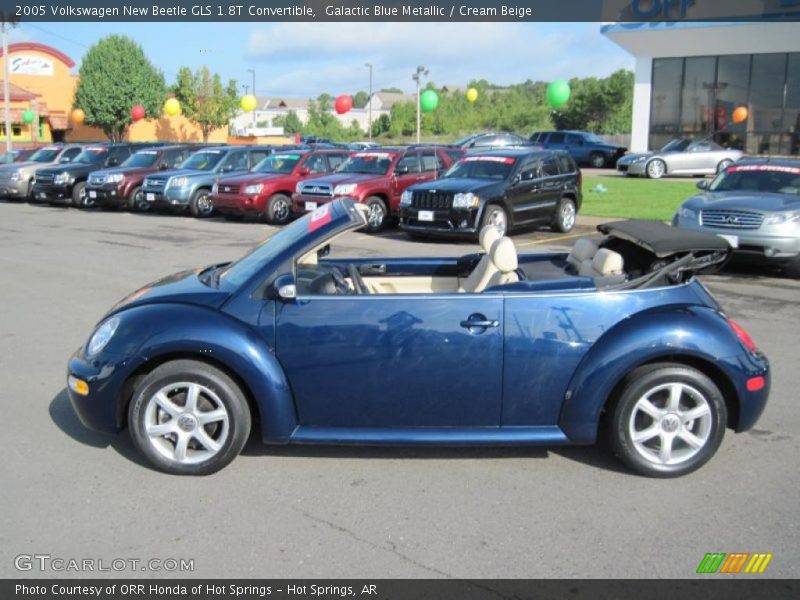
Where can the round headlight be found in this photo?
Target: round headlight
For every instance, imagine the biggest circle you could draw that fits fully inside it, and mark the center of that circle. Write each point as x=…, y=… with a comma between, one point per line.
x=102, y=336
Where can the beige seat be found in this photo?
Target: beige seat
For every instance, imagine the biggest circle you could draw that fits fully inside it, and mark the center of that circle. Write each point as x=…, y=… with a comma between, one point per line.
x=583, y=249
x=483, y=270
x=605, y=263
x=505, y=260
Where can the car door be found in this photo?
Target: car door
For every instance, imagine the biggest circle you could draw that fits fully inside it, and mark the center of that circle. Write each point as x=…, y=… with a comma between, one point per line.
x=393, y=360
x=525, y=191
x=556, y=141
x=406, y=172
x=575, y=145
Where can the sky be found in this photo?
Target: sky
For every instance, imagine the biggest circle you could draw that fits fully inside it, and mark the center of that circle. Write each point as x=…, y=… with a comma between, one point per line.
x=306, y=59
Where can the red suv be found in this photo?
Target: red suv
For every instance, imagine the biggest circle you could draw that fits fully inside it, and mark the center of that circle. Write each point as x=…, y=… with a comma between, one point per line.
x=267, y=189
x=377, y=178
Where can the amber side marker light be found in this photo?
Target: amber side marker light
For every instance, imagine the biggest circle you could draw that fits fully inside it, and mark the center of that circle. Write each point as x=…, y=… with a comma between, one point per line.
x=79, y=386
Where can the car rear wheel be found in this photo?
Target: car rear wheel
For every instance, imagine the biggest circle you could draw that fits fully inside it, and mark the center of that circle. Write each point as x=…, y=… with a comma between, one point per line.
x=668, y=420
x=136, y=201
x=200, y=205
x=597, y=160
x=724, y=164
x=377, y=214
x=564, y=219
x=278, y=210
x=656, y=169
x=80, y=198
x=495, y=215
x=792, y=269
x=188, y=418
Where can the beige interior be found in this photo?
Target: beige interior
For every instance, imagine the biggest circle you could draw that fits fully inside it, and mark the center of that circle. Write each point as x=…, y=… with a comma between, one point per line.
x=604, y=263
x=583, y=249
x=412, y=285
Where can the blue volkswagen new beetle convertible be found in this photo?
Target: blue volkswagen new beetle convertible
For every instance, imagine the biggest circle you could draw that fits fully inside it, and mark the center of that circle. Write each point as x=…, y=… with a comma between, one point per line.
x=616, y=338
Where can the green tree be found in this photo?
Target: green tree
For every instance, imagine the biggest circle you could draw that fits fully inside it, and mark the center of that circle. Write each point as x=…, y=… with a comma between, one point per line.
x=115, y=75
x=360, y=99
x=290, y=122
x=204, y=100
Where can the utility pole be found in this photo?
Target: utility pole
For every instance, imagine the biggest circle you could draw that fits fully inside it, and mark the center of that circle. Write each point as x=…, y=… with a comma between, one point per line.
x=253, y=73
x=6, y=93
x=417, y=77
x=369, y=102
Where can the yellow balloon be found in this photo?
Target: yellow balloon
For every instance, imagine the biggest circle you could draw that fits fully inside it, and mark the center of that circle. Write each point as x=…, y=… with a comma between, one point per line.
x=249, y=103
x=172, y=107
x=472, y=95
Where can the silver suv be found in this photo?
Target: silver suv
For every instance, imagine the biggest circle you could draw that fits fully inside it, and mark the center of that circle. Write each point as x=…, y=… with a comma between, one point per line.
x=16, y=179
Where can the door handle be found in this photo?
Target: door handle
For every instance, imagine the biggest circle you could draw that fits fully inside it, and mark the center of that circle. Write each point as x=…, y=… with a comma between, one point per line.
x=481, y=324
x=372, y=269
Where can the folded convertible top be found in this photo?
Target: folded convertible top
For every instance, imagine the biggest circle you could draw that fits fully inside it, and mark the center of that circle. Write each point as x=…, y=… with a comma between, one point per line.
x=663, y=240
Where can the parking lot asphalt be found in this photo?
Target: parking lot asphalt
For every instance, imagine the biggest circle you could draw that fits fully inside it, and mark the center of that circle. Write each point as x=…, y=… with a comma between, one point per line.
x=354, y=512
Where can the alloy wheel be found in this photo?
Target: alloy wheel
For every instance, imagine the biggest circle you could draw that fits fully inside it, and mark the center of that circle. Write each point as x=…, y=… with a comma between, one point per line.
x=656, y=169
x=567, y=215
x=670, y=424
x=375, y=216
x=281, y=210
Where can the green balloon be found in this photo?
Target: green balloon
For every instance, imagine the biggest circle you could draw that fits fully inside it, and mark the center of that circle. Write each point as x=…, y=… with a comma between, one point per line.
x=558, y=93
x=28, y=116
x=428, y=101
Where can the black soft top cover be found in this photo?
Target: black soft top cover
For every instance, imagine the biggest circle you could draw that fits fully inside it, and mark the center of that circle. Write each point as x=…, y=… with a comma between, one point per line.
x=663, y=240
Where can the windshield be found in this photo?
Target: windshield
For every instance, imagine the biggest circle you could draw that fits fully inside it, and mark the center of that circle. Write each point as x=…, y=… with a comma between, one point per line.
x=145, y=158
x=278, y=163
x=465, y=140
x=45, y=155
x=91, y=156
x=376, y=163
x=202, y=161
x=481, y=167
x=676, y=145
x=758, y=178
x=592, y=138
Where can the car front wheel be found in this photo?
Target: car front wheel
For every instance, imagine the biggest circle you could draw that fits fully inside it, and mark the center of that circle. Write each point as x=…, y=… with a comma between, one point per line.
x=377, y=215
x=656, y=169
x=200, y=205
x=564, y=219
x=668, y=420
x=136, y=201
x=80, y=198
x=598, y=160
x=278, y=210
x=188, y=418
x=495, y=215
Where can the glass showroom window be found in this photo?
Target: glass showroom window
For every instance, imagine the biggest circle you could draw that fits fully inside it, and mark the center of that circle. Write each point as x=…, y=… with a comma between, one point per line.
x=767, y=90
x=791, y=112
x=697, y=95
x=665, y=110
x=733, y=89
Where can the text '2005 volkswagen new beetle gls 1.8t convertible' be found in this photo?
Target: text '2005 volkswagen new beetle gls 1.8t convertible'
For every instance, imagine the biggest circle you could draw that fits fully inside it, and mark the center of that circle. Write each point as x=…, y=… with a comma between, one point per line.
x=616, y=337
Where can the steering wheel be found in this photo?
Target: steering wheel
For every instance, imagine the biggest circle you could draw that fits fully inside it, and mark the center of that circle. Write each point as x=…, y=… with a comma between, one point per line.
x=358, y=281
x=339, y=281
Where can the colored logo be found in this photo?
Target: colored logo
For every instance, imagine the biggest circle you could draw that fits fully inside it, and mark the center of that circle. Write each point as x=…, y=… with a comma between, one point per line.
x=734, y=563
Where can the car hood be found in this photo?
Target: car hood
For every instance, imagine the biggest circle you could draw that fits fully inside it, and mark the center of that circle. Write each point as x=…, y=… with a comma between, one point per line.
x=458, y=184
x=184, y=287
x=250, y=178
x=126, y=171
x=72, y=168
x=186, y=173
x=337, y=178
x=764, y=202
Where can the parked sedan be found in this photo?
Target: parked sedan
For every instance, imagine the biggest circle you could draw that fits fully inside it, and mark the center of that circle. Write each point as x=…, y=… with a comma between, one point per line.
x=755, y=205
x=584, y=147
x=492, y=349
x=489, y=140
x=680, y=157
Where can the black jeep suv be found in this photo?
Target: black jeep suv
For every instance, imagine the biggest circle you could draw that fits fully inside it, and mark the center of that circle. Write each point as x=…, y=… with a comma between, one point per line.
x=505, y=188
x=66, y=184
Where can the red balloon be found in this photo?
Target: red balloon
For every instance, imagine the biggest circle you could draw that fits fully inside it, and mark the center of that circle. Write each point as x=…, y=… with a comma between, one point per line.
x=137, y=112
x=343, y=104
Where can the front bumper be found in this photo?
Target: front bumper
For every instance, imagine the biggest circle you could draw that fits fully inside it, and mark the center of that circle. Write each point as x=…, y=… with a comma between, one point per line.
x=238, y=203
x=14, y=189
x=53, y=193
x=302, y=204
x=102, y=408
x=174, y=197
x=456, y=222
x=634, y=168
x=760, y=244
x=107, y=195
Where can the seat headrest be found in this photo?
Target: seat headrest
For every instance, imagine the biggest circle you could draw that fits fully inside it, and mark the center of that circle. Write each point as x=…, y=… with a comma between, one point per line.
x=582, y=249
x=504, y=255
x=488, y=236
x=607, y=262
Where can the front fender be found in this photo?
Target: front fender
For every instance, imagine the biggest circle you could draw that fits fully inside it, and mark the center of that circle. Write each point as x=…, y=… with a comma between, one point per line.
x=163, y=330
x=695, y=332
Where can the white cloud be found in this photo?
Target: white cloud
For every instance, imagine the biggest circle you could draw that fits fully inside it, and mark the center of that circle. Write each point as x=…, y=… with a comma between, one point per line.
x=305, y=59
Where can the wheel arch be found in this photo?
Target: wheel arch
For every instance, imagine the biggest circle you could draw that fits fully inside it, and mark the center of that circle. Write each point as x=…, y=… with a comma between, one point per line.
x=651, y=159
x=693, y=336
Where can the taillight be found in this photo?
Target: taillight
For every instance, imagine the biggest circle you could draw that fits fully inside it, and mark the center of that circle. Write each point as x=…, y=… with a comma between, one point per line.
x=743, y=336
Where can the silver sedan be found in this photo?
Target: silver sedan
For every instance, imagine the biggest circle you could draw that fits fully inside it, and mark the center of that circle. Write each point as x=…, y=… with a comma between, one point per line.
x=680, y=157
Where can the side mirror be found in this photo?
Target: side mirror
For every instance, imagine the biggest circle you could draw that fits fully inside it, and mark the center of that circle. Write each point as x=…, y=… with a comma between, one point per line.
x=516, y=179
x=401, y=170
x=702, y=184
x=112, y=162
x=283, y=288
x=324, y=251
x=304, y=171
x=163, y=166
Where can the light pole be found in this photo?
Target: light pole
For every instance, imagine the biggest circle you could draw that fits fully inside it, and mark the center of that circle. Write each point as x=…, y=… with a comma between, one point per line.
x=369, y=102
x=253, y=73
x=417, y=77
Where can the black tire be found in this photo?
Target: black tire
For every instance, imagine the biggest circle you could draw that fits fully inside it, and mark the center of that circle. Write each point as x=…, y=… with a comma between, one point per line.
x=656, y=169
x=226, y=391
x=565, y=216
x=80, y=199
x=654, y=381
x=792, y=268
x=278, y=210
x=378, y=215
x=200, y=205
x=597, y=160
x=495, y=214
x=136, y=201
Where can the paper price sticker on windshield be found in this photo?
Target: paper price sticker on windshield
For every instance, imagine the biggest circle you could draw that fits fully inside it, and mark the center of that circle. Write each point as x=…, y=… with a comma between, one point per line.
x=374, y=155
x=320, y=217
x=500, y=159
x=774, y=168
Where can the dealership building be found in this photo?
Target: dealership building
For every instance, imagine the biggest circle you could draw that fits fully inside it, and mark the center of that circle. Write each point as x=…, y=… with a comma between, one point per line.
x=690, y=76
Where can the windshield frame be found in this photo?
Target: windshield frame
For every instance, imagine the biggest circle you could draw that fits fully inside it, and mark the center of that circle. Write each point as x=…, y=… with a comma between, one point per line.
x=128, y=161
x=278, y=155
x=514, y=162
x=391, y=156
x=756, y=169
x=683, y=142
x=98, y=152
x=58, y=152
x=220, y=154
